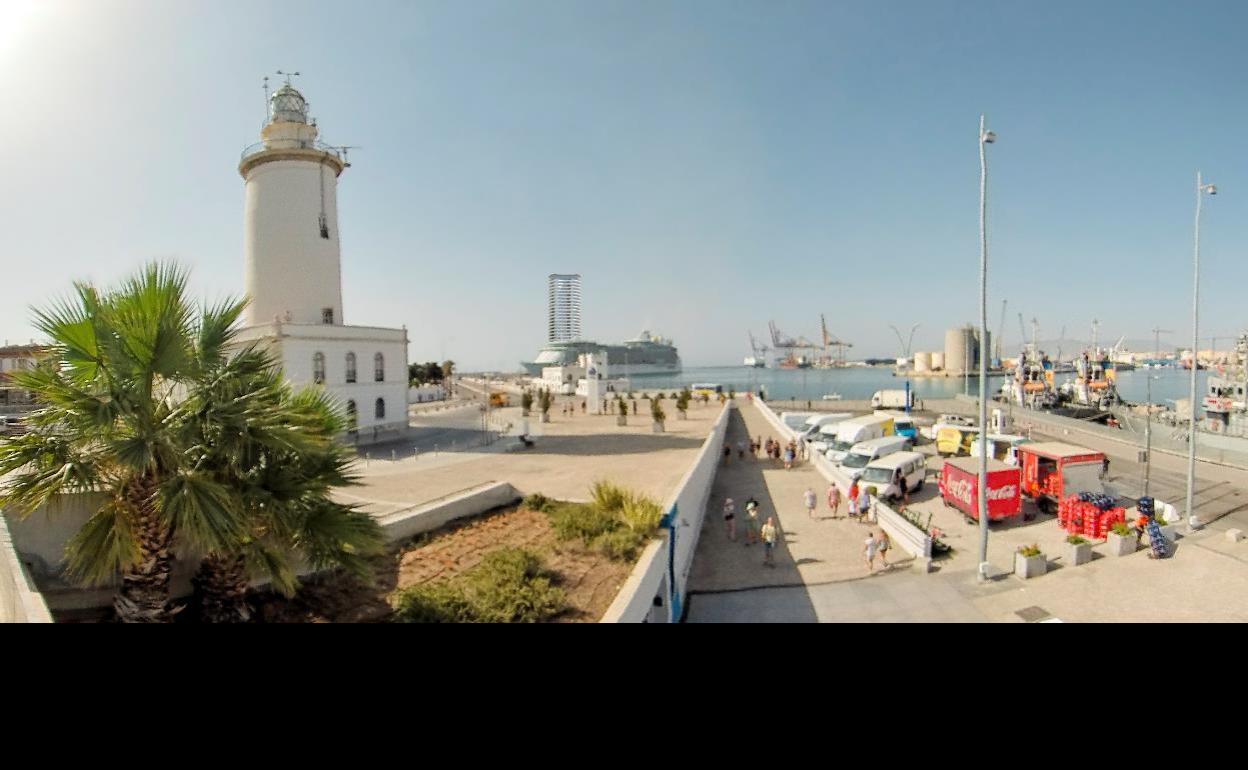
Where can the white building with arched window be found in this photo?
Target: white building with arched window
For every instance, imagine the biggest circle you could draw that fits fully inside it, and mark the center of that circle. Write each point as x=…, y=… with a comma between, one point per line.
x=293, y=275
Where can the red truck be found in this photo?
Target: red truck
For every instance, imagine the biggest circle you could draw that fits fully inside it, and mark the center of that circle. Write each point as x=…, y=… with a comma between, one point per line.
x=959, y=488
x=1053, y=471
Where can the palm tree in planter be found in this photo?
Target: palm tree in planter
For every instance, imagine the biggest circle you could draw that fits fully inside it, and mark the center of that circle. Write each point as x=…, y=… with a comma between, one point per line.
x=682, y=404
x=621, y=411
x=656, y=414
x=275, y=450
x=526, y=403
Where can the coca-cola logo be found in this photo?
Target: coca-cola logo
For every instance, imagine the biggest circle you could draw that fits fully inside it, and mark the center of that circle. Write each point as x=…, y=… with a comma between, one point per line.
x=961, y=489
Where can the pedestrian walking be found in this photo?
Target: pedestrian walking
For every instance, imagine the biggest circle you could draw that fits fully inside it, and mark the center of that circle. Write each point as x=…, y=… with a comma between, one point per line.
x=741, y=447
x=727, y=453
x=882, y=548
x=869, y=548
x=864, y=502
x=788, y=457
x=905, y=489
x=769, y=541
x=834, y=498
x=730, y=519
x=808, y=497
x=853, y=500
x=752, y=521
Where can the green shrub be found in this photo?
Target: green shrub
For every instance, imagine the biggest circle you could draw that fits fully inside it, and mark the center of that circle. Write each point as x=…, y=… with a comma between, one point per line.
x=641, y=515
x=573, y=521
x=1161, y=522
x=620, y=544
x=1120, y=528
x=1076, y=540
x=609, y=497
x=537, y=502
x=1029, y=550
x=508, y=586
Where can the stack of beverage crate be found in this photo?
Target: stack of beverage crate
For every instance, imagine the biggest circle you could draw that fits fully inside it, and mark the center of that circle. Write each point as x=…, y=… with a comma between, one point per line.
x=1089, y=514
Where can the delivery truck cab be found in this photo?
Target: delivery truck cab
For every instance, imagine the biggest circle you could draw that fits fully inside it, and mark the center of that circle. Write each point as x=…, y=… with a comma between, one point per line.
x=856, y=431
x=863, y=454
x=903, y=425
x=886, y=473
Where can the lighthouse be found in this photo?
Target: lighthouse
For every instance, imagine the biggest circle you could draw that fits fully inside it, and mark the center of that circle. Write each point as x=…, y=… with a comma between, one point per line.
x=292, y=273
x=293, y=261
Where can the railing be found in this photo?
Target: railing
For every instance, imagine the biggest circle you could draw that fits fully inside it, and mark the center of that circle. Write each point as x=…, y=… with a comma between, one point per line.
x=289, y=144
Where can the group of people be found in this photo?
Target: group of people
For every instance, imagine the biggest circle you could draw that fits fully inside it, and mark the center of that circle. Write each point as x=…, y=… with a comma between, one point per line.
x=772, y=448
x=875, y=546
x=764, y=532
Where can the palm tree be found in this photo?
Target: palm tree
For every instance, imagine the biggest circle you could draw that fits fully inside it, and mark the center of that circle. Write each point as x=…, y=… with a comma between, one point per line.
x=276, y=451
x=145, y=406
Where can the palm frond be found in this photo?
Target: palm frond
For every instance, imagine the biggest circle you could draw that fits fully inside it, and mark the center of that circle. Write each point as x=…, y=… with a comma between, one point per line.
x=103, y=547
x=202, y=510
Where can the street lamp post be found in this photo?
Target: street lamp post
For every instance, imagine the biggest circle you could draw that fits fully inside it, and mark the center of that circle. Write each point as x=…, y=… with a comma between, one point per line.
x=1201, y=190
x=1148, y=436
x=986, y=137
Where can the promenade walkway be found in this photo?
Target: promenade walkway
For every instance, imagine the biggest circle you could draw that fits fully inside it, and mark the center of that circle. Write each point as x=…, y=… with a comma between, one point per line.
x=819, y=574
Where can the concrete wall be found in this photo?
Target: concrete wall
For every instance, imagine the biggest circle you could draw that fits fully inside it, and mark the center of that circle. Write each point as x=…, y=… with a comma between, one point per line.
x=647, y=595
x=20, y=601
x=427, y=517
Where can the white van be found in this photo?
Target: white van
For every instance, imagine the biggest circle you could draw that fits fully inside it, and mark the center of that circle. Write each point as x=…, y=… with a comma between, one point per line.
x=893, y=399
x=863, y=454
x=856, y=431
x=815, y=424
x=886, y=473
x=796, y=421
x=1001, y=446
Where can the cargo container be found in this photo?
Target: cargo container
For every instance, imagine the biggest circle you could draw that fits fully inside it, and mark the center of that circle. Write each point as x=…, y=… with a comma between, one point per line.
x=959, y=488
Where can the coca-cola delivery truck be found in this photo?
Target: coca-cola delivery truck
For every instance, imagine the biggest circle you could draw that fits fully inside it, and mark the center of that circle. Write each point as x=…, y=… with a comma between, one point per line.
x=959, y=488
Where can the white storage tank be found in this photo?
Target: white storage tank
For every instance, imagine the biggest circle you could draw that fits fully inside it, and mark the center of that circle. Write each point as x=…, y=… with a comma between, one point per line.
x=938, y=360
x=922, y=362
x=959, y=349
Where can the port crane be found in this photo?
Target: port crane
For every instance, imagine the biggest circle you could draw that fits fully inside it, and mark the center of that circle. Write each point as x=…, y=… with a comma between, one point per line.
x=840, y=345
x=759, y=349
x=781, y=342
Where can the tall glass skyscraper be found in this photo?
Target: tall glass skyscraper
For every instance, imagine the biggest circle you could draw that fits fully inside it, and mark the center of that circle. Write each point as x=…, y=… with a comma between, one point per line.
x=563, y=308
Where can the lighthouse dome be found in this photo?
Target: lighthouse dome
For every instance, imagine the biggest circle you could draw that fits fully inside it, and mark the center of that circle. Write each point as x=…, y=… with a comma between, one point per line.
x=288, y=105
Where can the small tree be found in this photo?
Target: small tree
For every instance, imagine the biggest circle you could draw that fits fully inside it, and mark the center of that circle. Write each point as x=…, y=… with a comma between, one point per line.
x=706, y=399
x=526, y=402
x=656, y=411
x=682, y=403
x=732, y=393
x=544, y=402
x=634, y=407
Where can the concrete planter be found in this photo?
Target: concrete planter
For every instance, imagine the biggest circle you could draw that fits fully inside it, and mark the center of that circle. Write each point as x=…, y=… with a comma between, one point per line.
x=1170, y=532
x=621, y=420
x=1079, y=554
x=656, y=427
x=1120, y=545
x=1027, y=567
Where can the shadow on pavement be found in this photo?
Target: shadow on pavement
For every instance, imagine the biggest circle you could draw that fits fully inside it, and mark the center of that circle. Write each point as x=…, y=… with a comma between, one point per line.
x=722, y=567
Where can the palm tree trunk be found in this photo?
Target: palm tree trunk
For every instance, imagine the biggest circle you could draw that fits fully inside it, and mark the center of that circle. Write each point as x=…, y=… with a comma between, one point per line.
x=221, y=589
x=144, y=594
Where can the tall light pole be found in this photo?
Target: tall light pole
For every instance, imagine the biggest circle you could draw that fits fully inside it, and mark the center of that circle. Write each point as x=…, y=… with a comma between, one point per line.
x=1148, y=435
x=1192, y=522
x=986, y=137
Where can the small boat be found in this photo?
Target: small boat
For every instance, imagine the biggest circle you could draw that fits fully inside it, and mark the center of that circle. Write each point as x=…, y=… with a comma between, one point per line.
x=832, y=397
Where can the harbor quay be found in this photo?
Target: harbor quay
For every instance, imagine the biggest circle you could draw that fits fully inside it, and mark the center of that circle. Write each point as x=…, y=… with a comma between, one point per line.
x=820, y=574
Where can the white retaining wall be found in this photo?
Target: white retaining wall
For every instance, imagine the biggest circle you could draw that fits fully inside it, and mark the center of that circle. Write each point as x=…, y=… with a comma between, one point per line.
x=428, y=516
x=20, y=601
x=635, y=603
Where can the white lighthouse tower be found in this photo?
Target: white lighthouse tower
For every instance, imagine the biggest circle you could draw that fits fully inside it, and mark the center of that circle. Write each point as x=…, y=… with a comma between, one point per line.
x=293, y=275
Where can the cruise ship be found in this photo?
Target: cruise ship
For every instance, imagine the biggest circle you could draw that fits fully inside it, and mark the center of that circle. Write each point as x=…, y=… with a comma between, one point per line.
x=646, y=354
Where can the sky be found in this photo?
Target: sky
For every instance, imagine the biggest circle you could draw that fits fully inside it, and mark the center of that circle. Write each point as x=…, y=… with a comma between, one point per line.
x=706, y=166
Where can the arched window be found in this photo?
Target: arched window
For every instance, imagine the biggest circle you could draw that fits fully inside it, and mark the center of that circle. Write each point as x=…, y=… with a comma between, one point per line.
x=379, y=409
x=352, y=415
x=350, y=367
x=318, y=367
x=379, y=368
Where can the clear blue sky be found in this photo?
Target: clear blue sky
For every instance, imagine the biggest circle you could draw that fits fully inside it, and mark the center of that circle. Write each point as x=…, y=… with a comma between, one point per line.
x=707, y=166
